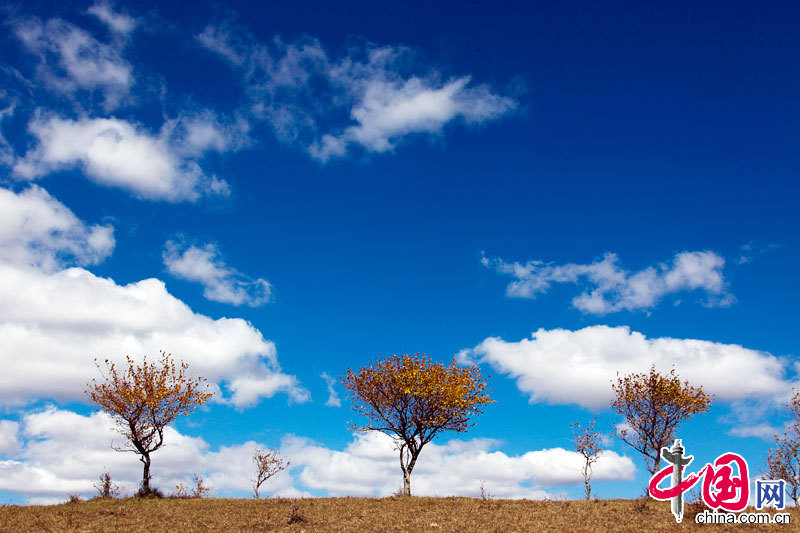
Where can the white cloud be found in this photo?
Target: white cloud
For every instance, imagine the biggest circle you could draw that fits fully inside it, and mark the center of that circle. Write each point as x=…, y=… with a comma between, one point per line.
x=369, y=466
x=64, y=452
x=62, y=320
x=371, y=97
x=249, y=387
x=221, y=283
x=333, y=397
x=230, y=470
x=192, y=135
x=38, y=230
x=221, y=40
x=595, y=354
x=611, y=288
x=389, y=109
x=54, y=322
x=9, y=444
x=117, y=153
x=70, y=59
x=119, y=23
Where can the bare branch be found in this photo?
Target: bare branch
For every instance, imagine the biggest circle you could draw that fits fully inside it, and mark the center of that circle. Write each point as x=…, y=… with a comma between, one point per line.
x=587, y=443
x=268, y=463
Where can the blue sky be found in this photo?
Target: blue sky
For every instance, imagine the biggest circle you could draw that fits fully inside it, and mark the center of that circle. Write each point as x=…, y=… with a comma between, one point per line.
x=273, y=193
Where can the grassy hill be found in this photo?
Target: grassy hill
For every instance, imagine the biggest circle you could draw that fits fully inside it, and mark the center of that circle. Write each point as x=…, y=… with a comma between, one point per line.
x=361, y=514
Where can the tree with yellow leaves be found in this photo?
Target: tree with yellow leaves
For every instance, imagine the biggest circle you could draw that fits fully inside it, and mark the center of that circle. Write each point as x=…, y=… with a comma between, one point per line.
x=412, y=399
x=144, y=399
x=654, y=405
x=783, y=461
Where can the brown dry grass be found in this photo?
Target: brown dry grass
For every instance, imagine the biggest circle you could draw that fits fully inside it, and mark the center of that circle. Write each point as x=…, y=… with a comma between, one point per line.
x=360, y=514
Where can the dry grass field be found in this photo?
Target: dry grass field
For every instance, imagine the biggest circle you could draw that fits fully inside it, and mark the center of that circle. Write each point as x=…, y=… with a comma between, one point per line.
x=360, y=514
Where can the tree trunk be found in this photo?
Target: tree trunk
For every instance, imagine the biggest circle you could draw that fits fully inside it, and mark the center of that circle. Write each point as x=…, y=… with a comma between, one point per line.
x=145, y=459
x=587, y=476
x=407, y=466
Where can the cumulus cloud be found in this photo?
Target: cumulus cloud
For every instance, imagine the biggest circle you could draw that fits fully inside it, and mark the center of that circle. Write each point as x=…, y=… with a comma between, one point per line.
x=70, y=59
x=595, y=354
x=62, y=320
x=371, y=97
x=63, y=452
x=9, y=443
x=55, y=320
x=333, y=397
x=117, y=153
x=220, y=282
x=611, y=288
x=368, y=466
x=38, y=230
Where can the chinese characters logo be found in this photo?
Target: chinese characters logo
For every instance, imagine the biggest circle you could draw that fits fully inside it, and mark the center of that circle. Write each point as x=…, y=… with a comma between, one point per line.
x=726, y=484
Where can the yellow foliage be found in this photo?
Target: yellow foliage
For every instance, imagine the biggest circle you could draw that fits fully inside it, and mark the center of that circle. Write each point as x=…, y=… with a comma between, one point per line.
x=415, y=398
x=654, y=405
x=145, y=398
